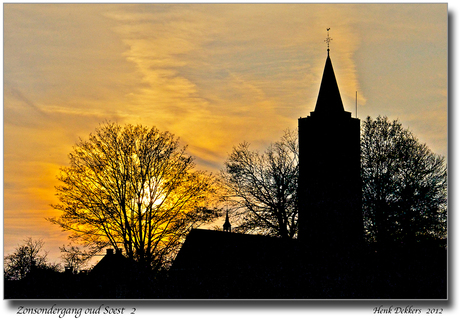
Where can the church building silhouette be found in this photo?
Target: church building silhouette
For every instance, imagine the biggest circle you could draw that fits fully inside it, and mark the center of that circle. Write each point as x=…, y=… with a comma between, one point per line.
x=329, y=259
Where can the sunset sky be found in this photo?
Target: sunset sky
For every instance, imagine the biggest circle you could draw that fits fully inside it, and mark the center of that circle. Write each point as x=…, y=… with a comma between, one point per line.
x=214, y=75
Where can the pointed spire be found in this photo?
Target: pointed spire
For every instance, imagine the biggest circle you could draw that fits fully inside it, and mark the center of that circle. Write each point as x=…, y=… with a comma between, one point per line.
x=227, y=226
x=329, y=100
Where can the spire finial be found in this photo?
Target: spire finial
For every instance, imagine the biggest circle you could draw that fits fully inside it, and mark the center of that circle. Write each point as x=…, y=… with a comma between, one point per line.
x=328, y=40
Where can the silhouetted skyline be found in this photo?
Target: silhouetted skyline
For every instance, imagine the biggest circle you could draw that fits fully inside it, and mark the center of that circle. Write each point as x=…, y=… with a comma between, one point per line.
x=214, y=75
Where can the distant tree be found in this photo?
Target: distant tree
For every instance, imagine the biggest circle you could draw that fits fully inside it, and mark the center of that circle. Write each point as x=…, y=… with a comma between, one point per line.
x=74, y=258
x=262, y=188
x=404, y=184
x=134, y=188
x=29, y=255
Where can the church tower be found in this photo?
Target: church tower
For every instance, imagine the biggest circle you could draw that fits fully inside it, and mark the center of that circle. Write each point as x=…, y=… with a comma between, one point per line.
x=330, y=214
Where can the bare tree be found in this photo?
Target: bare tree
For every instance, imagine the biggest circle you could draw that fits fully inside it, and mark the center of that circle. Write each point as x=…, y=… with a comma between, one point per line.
x=262, y=188
x=74, y=258
x=134, y=188
x=26, y=256
x=404, y=184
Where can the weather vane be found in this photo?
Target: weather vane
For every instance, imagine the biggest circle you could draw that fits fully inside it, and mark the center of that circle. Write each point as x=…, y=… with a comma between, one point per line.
x=328, y=39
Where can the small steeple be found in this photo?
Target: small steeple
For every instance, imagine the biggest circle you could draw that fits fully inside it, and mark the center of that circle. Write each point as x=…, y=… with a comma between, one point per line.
x=329, y=100
x=227, y=226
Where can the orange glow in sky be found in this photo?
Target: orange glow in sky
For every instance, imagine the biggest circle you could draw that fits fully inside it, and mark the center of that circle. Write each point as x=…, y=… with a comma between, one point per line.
x=214, y=75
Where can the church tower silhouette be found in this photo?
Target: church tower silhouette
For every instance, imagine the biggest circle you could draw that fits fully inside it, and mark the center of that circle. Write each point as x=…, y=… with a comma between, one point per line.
x=330, y=214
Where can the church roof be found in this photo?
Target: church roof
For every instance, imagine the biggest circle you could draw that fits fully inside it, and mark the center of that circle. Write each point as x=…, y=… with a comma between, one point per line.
x=215, y=264
x=329, y=101
x=210, y=249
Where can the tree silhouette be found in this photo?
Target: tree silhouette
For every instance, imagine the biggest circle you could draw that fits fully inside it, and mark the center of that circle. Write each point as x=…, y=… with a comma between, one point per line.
x=134, y=188
x=74, y=258
x=262, y=188
x=29, y=255
x=404, y=184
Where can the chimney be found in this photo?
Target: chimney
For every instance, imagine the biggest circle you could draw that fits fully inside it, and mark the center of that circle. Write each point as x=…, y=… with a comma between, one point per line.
x=109, y=252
